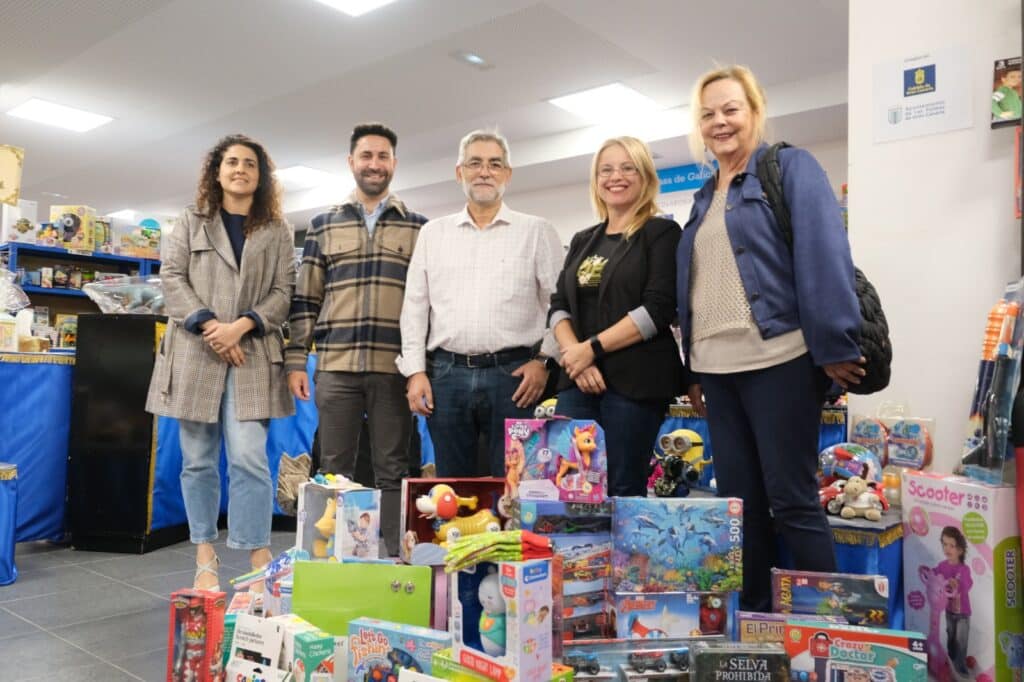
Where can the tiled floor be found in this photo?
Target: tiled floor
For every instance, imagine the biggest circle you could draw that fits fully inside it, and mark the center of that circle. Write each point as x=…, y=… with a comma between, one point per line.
x=87, y=616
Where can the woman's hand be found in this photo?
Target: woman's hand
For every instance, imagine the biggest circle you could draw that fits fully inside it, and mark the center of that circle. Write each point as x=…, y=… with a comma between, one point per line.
x=846, y=373
x=221, y=336
x=591, y=381
x=576, y=358
x=696, y=396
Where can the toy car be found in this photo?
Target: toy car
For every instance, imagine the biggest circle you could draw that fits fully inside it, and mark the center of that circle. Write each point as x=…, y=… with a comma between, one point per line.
x=828, y=495
x=642, y=661
x=582, y=661
x=680, y=658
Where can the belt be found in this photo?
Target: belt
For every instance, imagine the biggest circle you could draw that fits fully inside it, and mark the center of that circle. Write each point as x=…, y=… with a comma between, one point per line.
x=484, y=360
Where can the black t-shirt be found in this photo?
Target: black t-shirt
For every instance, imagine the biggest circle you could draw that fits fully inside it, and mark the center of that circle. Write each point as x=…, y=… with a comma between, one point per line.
x=588, y=279
x=235, y=227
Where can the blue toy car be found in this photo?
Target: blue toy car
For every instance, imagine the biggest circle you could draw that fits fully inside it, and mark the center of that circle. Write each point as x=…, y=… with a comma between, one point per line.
x=581, y=661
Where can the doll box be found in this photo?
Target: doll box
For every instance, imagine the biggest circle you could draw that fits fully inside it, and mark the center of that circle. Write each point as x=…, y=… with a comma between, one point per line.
x=860, y=599
x=195, y=637
x=431, y=507
x=674, y=615
x=338, y=522
x=377, y=648
x=525, y=588
x=75, y=225
x=677, y=544
x=847, y=652
x=555, y=459
x=945, y=518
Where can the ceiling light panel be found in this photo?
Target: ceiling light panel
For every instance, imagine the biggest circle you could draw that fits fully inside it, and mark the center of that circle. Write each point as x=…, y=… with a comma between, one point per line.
x=355, y=8
x=303, y=177
x=59, y=115
x=611, y=102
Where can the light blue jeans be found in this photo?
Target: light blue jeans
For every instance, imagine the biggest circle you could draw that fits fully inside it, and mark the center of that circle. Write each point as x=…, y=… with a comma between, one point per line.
x=250, y=489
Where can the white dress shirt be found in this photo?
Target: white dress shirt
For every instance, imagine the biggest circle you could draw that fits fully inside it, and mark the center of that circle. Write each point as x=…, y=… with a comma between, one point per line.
x=471, y=290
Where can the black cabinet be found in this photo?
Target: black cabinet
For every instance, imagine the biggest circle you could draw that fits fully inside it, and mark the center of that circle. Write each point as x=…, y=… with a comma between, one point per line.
x=112, y=451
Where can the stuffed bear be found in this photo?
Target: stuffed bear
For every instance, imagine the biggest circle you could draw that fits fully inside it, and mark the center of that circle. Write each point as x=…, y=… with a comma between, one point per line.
x=860, y=499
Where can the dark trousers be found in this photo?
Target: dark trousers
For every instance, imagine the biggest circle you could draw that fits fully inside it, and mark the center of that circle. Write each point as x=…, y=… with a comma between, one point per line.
x=470, y=403
x=342, y=399
x=630, y=429
x=764, y=426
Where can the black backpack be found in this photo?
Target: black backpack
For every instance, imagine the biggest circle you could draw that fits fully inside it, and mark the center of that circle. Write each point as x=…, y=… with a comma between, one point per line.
x=875, y=345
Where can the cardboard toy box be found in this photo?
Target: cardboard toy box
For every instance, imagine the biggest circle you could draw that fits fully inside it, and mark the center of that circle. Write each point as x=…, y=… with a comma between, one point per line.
x=378, y=648
x=561, y=460
x=447, y=668
x=673, y=615
x=860, y=599
x=432, y=508
x=564, y=518
x=738, y=662
x=946, y=518
x=677, y=544
x=313, y=657
x=75, y=227
x=195, y=635
x=18, y=222
x=753, y=627
x=848, y=652
x=525, y=587
x=341, y=523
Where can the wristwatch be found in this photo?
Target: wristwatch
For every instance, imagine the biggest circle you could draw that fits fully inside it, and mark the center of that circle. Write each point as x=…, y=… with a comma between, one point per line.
x=595, y=345
x=550, y=364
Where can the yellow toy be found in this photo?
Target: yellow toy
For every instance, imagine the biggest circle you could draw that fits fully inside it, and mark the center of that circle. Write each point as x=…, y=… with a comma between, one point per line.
x=682, y=461
x=323, y=547
x=484, y=521
x=546, y=410
x=585, y=443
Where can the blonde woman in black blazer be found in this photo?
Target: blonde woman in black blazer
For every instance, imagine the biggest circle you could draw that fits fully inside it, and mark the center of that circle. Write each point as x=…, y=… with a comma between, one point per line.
x=611, y=313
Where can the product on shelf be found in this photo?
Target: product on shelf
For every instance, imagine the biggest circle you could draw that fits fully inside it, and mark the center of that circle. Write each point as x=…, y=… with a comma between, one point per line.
x=75, y=226
x=861, y=599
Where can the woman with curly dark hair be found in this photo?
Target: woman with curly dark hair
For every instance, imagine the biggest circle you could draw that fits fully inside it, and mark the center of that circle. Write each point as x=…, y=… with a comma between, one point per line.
x=227, y=274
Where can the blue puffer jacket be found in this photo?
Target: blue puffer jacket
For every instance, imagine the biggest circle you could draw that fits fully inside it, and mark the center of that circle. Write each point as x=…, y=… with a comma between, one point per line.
x=811, y=289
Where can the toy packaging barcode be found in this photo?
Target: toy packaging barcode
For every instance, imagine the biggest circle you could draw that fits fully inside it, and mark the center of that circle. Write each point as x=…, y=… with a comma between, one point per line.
x=861, y=599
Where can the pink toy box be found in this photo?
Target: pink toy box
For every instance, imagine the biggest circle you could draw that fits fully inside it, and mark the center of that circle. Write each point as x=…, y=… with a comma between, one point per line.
x=962, y=576
x=555, y=459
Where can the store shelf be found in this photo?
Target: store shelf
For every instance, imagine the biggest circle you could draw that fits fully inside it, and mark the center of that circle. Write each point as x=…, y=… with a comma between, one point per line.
x=29, y=289
x=145, y=265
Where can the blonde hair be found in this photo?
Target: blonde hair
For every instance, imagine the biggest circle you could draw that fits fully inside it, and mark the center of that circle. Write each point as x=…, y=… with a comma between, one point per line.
x=640, y=154
x=755, y=98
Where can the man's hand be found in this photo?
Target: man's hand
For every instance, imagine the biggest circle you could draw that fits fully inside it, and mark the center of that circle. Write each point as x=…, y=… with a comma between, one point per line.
x=577, y=357
x=535, y=377
x=419, y=394
x=591, y=381
x=298, y=384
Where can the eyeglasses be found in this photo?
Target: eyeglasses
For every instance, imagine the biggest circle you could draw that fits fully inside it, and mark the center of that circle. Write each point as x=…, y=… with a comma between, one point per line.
x=627, y=170
x=477, y=165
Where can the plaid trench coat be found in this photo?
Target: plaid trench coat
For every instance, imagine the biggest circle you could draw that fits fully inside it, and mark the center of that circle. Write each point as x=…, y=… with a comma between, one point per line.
x=199, y=271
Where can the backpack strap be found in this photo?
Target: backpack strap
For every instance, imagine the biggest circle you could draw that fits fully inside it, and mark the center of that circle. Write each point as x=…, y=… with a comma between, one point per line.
x=769, y=172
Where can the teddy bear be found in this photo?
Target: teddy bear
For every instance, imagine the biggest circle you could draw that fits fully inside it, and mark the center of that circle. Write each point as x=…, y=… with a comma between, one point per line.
x=859, y=498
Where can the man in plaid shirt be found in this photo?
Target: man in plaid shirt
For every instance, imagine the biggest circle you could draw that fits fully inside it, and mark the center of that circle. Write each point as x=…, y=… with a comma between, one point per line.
x=348, y=299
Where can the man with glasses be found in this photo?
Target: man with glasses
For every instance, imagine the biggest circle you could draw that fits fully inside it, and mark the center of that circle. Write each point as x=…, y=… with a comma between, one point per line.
x=474, y=345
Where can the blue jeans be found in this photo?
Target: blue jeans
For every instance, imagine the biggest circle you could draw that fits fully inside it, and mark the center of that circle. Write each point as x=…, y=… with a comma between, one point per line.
x=630, y=430
x=470, y=403
x=764, y=424
x=250, y=490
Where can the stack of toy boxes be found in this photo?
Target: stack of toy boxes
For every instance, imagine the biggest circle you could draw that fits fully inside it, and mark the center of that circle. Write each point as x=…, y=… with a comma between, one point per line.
x=339, y=521
x=195, y=636
x=445, y=667
x=524, y=627
x=581, y=538
x=241, y=604
x=255, y=650
x=676, y=565
x=860, y=599
x=818, y=651
x=962, y=575
x=378, y=649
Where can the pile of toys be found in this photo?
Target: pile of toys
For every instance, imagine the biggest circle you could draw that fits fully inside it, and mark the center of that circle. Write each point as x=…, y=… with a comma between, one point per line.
x=80, y=230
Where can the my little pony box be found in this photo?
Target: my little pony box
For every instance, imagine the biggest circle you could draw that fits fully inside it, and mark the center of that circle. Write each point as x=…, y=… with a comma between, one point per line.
x=556, y=459
x=962, y=576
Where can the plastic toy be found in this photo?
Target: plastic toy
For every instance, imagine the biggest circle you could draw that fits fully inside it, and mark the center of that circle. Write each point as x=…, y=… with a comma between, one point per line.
x=442, y=505
x=434, y=514
x=338, y=520
x=844, y=460
x=861, y=599
x=323, y=546
x=582, y=661
x=583, y=445
x=484, y=521
x=642, y=661
x=680, y=658
x=546, y=409
x=938, y=591
x=682, y=461
x=860, y=498
x=557, y=459
x=492, y=618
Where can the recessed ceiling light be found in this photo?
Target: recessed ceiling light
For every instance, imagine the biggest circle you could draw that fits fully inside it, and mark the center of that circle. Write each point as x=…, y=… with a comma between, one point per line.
x=606, y=103
x=59, y=115
x=355, y=8
x=123, y=214
x=473, y=59
x=304, y=177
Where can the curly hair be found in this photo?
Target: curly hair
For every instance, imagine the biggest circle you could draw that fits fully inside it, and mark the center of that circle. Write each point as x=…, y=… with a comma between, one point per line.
x=266, y=202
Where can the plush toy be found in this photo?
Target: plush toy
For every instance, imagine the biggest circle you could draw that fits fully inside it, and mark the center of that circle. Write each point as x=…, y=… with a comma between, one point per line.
x=861, y=498
x=323, y=547
x=492, y=618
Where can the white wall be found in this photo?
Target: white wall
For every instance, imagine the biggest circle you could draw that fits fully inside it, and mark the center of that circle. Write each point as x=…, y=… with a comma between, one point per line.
x=931, y=219
x=568, y=206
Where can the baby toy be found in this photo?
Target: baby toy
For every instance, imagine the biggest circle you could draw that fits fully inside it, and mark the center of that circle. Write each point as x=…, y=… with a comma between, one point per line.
x=938, y=591
x=584, y=443
x=483, y=521
x=323, y=546
x=492, y=618
x=861, y=498
x=442, y=505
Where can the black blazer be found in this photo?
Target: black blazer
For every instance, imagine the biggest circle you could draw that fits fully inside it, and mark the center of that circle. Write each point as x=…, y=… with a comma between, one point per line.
x=640, y=271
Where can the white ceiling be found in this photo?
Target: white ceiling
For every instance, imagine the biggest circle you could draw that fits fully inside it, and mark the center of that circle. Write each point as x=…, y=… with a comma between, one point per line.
x=297, y=75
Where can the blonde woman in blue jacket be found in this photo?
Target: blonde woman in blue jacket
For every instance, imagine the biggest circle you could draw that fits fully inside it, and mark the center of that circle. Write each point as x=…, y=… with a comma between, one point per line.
x=764, y=328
